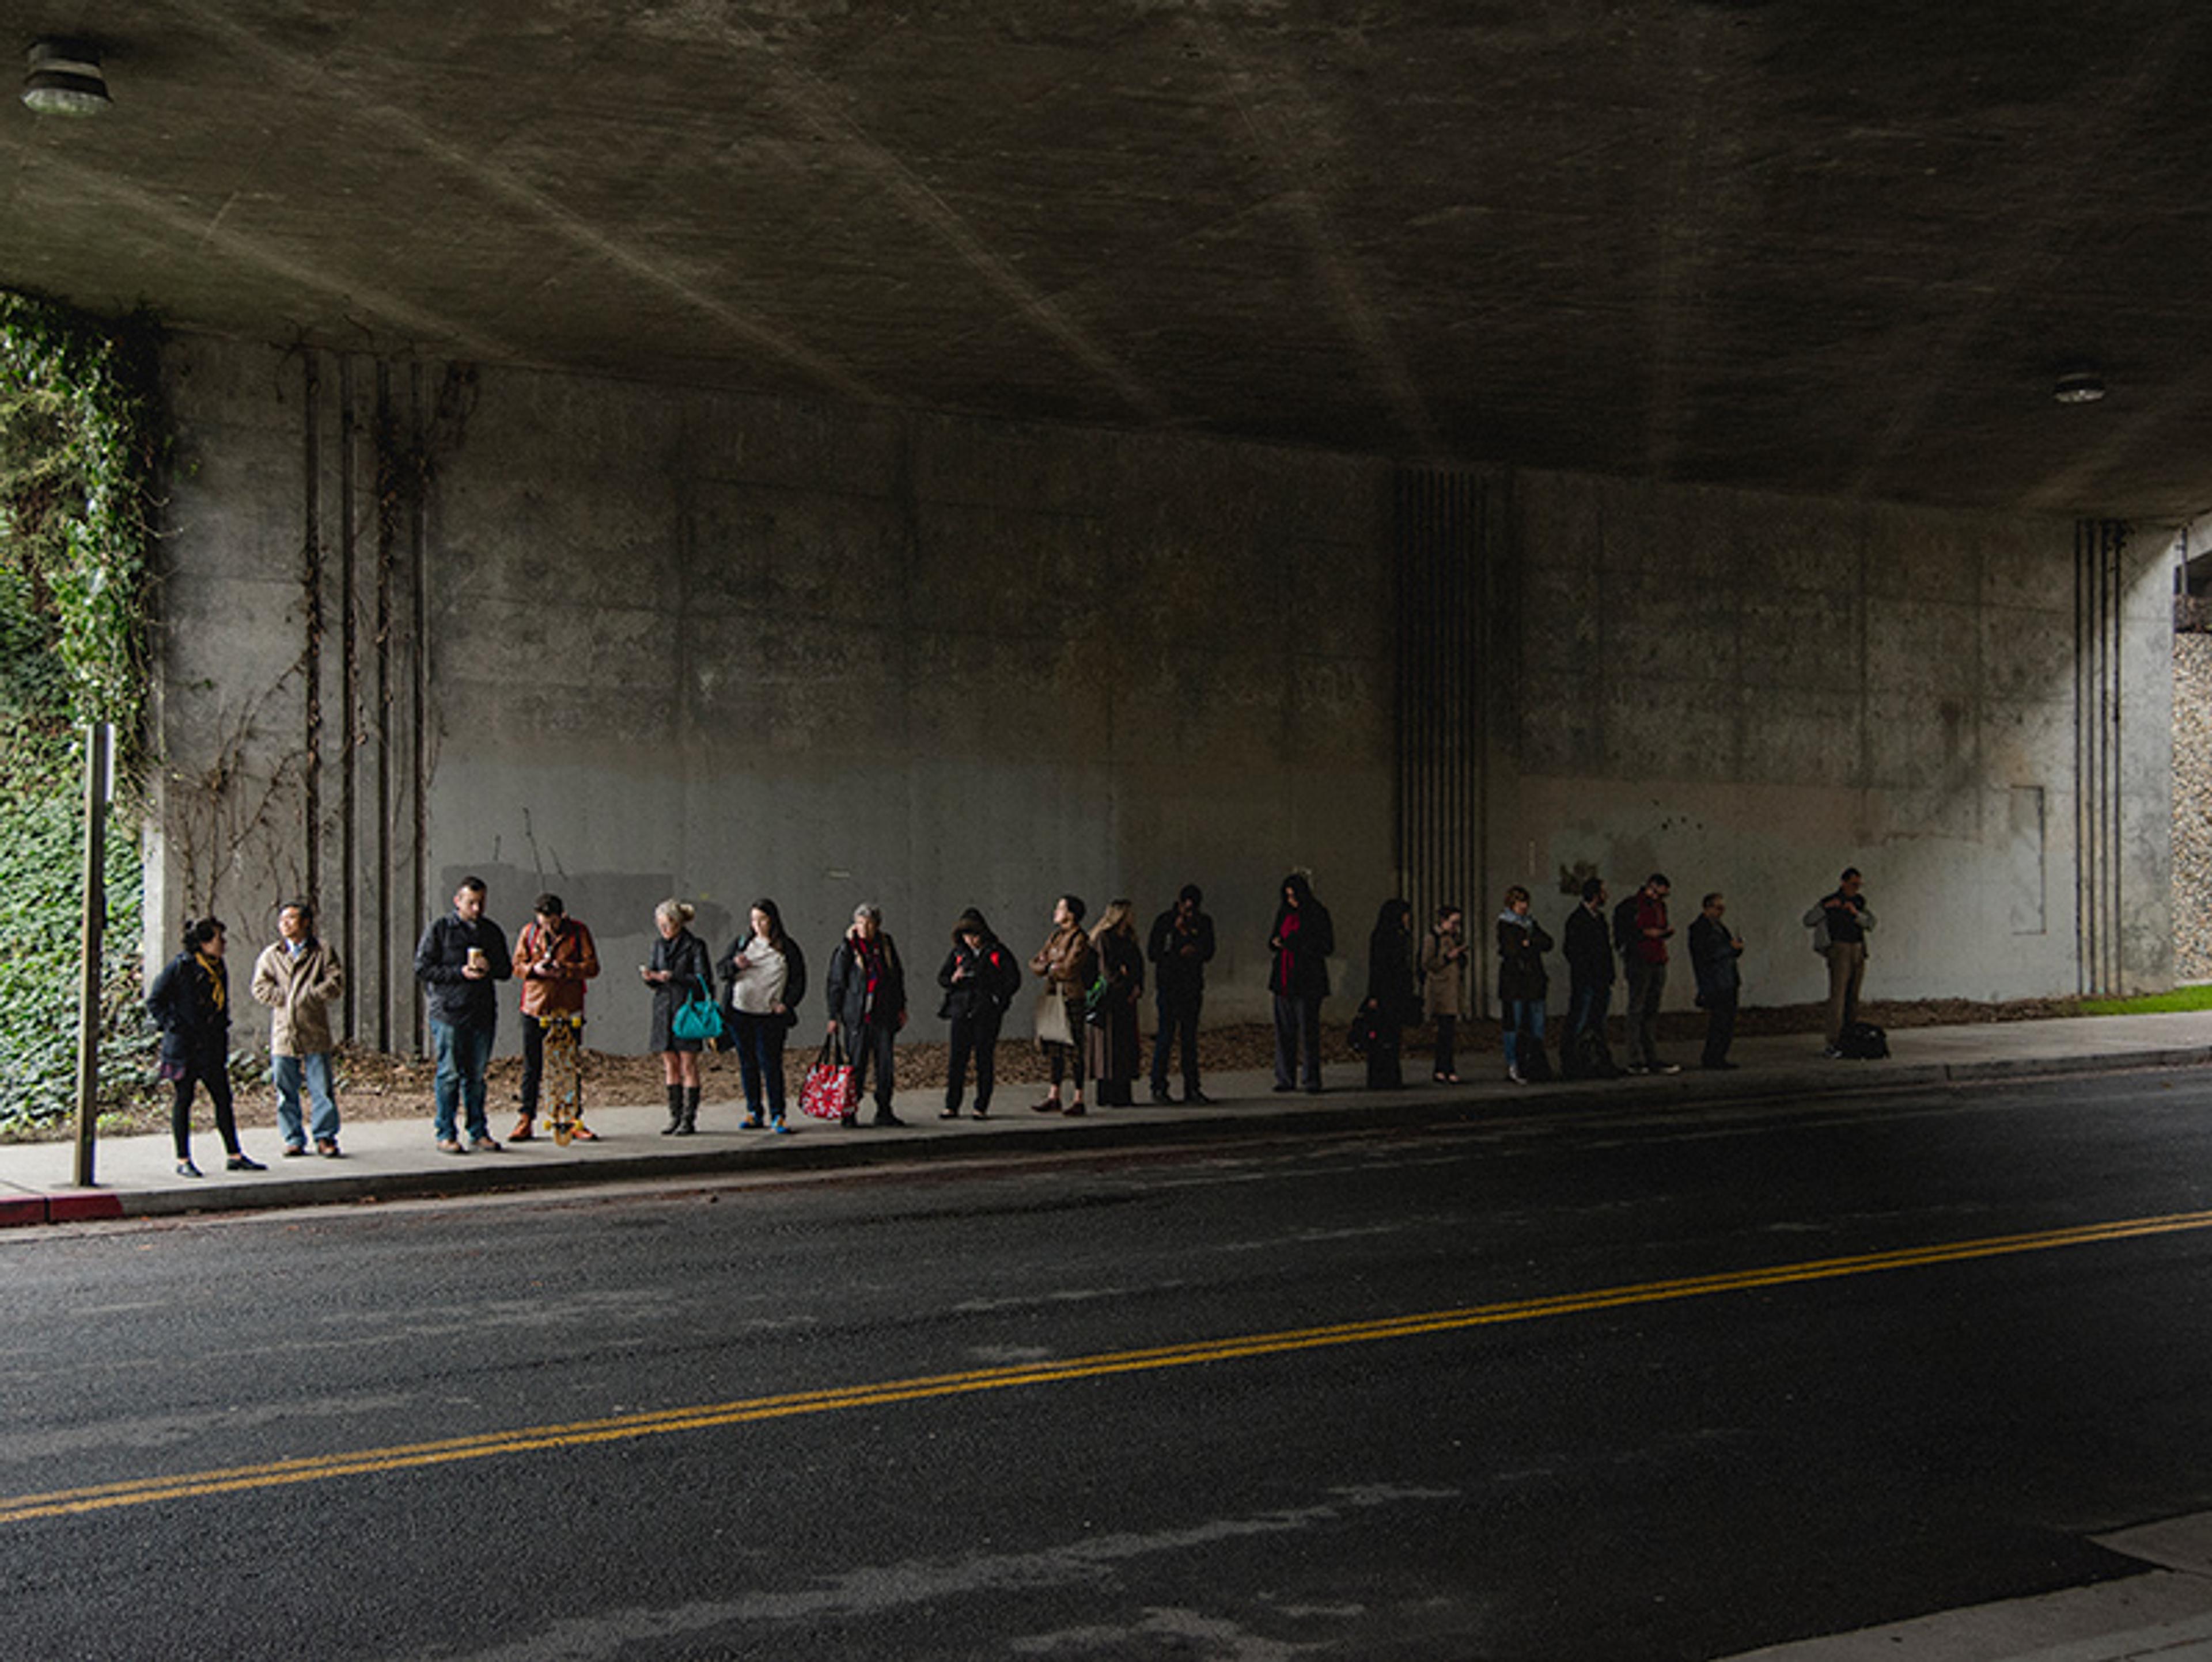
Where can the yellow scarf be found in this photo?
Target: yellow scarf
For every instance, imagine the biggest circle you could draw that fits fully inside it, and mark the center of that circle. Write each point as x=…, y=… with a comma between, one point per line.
x=213, y=974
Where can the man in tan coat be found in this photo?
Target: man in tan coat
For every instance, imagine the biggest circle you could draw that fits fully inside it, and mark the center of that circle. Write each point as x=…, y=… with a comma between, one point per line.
x=298, y=977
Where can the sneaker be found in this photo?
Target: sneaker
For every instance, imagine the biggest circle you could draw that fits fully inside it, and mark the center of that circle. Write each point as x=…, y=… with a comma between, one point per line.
x=1832, y=1053
x=1195, y=1097
x=752, y=1122
x=186, y=1169
x=484, y=1145
x=884, y=1117
x=243, y=1162
x=327, y=1147
x=1281, y=1085
x=1160, y=1096
x=522, y=1133
x=450, y=1146
x=780, y=1129
x=1637, y=1068
x=1666, y=1067
x=293, y=1150
x=1516, y=1076
x=581, y=1132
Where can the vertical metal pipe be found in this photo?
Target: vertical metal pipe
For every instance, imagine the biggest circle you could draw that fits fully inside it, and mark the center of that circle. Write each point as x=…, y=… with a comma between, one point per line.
x=93, y=921
x=349, y=695
x=389, y=483
x=311, y=583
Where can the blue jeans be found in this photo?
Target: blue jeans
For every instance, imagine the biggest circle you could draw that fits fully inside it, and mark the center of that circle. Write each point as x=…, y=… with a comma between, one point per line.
x=1521, y=1014
x=463, y=1054
x=316, y=1069
x=760, y=1060
x=1587, y=1009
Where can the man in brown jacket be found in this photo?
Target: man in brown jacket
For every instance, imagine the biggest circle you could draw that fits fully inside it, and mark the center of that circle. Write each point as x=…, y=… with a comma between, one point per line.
x=553, y=959
x=298, y=977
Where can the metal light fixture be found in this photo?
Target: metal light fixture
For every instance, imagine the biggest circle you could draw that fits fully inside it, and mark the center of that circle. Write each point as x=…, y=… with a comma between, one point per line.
x=2079, y=386
x=64, y=79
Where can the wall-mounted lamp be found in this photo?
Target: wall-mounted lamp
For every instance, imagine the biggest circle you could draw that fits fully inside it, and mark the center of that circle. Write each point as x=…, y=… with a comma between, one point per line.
x=2079, y=386
x=64, y=79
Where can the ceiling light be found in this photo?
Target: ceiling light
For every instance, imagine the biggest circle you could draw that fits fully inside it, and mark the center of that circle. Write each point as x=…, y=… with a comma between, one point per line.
x=64, y=79
x=2079, y=386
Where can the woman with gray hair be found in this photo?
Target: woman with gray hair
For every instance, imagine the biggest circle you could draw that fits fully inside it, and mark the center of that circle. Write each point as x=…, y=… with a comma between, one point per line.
x=867, y=1002
x=677, y=973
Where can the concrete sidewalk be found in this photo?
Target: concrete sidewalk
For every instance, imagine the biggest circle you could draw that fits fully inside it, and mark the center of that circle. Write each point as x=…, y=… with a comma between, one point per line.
x=391, y=1159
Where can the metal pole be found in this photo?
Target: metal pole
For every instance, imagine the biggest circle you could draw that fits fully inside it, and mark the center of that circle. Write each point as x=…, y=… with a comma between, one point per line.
x=95, y=921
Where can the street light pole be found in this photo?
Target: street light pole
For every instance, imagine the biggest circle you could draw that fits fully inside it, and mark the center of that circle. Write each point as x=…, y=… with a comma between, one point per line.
x=99, y=738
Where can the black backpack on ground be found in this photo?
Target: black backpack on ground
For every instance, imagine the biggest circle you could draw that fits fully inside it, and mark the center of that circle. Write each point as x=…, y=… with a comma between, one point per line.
x=1587, y=1055
x=1864, y=1042
x=1535, y=1062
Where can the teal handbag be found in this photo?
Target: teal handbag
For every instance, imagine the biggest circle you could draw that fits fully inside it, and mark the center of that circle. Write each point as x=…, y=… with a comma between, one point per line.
x=699, y=1017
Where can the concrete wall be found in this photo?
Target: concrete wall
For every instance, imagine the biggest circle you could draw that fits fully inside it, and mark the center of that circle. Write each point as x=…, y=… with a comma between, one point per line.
x=670, y=642
x=1752, y=692
x=681, y=643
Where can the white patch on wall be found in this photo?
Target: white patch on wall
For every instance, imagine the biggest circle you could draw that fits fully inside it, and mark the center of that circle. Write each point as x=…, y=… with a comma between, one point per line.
x=2027, y=898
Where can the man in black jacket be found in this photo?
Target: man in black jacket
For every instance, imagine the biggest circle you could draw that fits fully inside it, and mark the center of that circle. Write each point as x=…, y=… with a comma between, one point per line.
x=1589, y=972
x=1181, y=945
x=459, y=959
x=1714, y=949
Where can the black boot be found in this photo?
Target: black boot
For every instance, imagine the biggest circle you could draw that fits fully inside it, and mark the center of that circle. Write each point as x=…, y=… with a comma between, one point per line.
x=690, y=1121
x=675, y=1111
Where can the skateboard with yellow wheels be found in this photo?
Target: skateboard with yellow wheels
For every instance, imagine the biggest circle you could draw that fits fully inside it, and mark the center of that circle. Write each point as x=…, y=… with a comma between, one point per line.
x=564, y=1075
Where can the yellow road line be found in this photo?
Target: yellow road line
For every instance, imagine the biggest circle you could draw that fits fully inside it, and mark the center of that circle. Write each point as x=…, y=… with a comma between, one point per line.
x=621, y=1428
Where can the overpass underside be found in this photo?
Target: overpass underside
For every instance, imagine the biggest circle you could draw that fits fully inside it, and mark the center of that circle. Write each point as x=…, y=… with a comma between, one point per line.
x=622, y=641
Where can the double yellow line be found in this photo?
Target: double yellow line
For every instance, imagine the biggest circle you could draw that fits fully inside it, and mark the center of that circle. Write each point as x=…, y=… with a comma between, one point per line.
x=622, y=1427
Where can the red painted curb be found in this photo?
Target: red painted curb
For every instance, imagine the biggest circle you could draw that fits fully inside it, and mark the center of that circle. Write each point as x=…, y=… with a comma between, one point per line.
x=22, y=1209
x=81, y=1208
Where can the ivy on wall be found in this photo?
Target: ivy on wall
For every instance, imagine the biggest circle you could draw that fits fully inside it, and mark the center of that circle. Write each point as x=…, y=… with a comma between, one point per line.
x=81, y=443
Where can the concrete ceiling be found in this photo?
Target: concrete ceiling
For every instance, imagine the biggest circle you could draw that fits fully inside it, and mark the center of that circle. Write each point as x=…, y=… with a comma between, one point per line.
x=1801, y=246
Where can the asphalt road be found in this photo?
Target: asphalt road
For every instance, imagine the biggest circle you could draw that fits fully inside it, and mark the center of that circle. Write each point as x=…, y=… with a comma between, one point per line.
x=1609, y=1385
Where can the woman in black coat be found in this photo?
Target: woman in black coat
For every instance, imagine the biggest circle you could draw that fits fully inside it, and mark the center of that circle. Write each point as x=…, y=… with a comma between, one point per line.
x=763, y=979
x=1116, y=1046
x=1392, y=998
x=1521, y=982
x=979, y=978
x=678, y=974
x=1301, y=940
x=189, y=1003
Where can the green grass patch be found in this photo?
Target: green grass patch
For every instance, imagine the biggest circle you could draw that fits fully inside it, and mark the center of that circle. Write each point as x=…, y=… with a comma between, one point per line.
x=2181, y=998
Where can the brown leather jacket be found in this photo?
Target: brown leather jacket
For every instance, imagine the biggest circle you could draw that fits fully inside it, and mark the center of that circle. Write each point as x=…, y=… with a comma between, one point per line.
x=574, y=960
x=1068, y=961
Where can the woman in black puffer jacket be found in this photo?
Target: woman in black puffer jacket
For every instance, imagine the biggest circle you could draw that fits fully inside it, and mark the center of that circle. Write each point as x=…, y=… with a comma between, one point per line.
x=190, y=1004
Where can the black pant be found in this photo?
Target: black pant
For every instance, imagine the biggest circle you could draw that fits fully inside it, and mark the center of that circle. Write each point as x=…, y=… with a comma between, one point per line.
x=533, y=1062
x=1447, y=1037
x=1298, y=1038
x=1385, y=1068
x=1178, y=1026
x=870, y=1044
x=759, y=1041
x=1720, y=1026
x=1647, y=985
x=214, y=1072
x=976, y=1036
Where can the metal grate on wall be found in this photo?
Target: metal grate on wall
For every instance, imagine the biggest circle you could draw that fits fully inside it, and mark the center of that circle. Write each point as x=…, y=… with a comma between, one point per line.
x=1445, y=526
x=2099, y=545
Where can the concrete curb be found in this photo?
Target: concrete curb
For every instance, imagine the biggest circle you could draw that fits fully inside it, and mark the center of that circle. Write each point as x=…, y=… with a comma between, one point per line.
x=1102, y=1130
